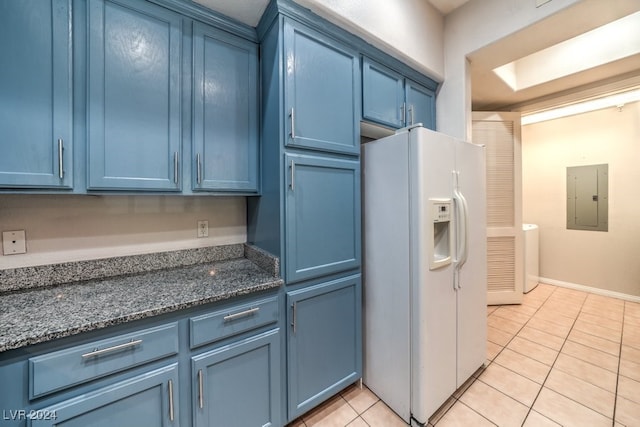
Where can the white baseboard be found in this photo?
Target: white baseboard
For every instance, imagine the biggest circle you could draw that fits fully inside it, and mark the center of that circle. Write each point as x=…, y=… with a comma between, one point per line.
x=590, y=289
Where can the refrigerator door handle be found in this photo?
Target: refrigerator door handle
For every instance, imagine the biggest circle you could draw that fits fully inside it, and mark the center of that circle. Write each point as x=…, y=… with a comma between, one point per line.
x=462, y=227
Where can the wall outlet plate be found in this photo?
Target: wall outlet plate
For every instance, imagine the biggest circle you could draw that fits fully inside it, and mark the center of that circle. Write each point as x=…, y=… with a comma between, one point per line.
x=14, y=242
x=203, y=228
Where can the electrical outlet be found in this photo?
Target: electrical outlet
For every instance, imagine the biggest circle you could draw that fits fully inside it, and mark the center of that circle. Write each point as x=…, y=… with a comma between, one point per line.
x=14, y=242
x=203, y=228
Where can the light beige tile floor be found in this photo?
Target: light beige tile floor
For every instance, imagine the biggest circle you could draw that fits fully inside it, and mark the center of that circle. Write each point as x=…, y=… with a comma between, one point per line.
x=561, y=358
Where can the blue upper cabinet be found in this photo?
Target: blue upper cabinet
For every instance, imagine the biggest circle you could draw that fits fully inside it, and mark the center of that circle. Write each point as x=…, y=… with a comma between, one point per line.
x=322, y=216
x=391, y=99
x=225, y=115
x=420, y=105
x=35, y=88
x=322, y=107
x=134, y=104
x=382, y=94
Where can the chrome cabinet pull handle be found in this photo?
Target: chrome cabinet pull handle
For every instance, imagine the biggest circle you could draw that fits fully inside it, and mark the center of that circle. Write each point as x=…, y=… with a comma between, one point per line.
x=175, y=167
x=171, y=400
x=292, y=181
x=198, y=169
x=293, y=317
x=411, y=114
x=107, y=350
x=293, y=124
x=200, y=389
x=245, y=313
x=60, y=158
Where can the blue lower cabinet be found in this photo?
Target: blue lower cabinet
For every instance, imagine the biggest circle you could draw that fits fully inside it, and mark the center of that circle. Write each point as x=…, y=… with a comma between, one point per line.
x=150, y=399
x=238, y=385
x=324, y=341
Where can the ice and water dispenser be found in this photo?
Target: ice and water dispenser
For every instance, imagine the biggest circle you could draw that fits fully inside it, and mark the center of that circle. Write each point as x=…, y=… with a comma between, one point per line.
x=440, y=233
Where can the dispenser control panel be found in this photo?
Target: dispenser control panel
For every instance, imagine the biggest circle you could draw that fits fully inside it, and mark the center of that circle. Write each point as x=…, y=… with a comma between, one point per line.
x=441, y=211
x=440, y=237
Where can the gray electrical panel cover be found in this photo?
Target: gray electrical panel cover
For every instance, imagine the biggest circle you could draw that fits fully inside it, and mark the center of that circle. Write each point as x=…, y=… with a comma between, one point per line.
x=588, y=197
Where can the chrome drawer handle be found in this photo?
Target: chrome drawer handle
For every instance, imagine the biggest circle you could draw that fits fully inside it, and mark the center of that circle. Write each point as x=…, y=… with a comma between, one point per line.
x=293, y=124
x=292, y=169
x=200, y=389
x=245, y=313
x=171, y=416
x=60, y=158
x=107, y=350
x=198, y=169
x=175, y=167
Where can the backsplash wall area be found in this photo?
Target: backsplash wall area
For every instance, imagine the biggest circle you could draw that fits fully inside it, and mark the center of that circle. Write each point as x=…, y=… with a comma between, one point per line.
x=62, y=228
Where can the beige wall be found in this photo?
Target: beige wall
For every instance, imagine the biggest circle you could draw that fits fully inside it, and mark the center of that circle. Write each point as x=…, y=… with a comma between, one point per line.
x=607, y=260
x=68, y=228
x=410, y=30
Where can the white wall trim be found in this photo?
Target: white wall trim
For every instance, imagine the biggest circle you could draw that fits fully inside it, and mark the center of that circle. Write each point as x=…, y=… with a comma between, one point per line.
x=590, y=289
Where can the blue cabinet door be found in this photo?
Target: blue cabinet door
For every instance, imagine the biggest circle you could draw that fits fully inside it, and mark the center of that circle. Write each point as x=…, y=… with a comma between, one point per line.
x=324, y=341
x=382, y=94
x=133, y=103
x=322, y=97
x=150, y=399
x=420, y=105
x=322, y=216
x=35, y=91
x=238, y=385
x=225, y=115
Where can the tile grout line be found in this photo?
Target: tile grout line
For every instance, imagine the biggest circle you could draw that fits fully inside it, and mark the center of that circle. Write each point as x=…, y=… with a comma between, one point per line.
x=505, y=346
x=521, y=328
x=595, y=385
x=554, y=361
x=615, y=401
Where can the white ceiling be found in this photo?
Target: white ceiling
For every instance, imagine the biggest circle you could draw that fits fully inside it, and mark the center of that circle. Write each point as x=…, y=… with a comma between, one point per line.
x=447, y=6
x=250, y=11
x=531, y=45
x=489, y=92
x=246, y=11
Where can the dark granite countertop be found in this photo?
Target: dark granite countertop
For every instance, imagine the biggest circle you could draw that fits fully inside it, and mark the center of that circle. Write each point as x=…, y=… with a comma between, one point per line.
x=42, y=314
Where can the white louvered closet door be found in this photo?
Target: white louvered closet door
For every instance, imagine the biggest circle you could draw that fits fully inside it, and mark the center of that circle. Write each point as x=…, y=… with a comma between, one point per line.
x=500, y=133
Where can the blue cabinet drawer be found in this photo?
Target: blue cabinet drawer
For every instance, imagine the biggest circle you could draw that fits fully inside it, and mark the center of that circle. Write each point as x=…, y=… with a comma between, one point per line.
x=214, y=326
x=65, y=368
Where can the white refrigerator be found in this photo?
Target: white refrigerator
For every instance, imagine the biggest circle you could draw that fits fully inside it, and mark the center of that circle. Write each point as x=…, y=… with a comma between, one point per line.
x=425, y=274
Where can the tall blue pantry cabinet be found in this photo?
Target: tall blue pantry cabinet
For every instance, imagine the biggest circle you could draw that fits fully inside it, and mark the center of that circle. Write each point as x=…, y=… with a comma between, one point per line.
x=309, y=211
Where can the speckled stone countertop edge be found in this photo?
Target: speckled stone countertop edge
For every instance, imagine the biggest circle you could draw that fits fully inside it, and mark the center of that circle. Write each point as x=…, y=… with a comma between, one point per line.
x=36, y=315
x=135, y=316
x=262, y=259
x=23, y=278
